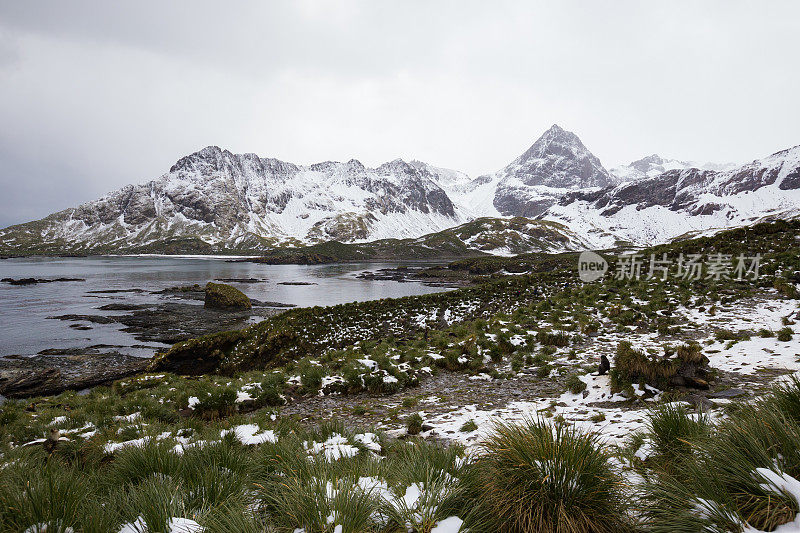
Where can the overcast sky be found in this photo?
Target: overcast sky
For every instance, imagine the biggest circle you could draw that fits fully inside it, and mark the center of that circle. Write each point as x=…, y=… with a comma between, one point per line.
x=95, y=95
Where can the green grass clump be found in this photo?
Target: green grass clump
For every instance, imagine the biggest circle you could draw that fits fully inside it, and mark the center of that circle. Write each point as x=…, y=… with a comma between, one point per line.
x=634, y=366
x=469, y=426
x=728, y=335
x=271, y=390
x=765, y=333
x=786, y=289
x=414, y=424
x=731, y=471
x=549, y=338
x=575, y=384
x=785, y=398
x=53, y=494
x=785, y=334
x=311, y=378
x=535, y=477
x=219, y=402
x=136, y=463
x=673, y=431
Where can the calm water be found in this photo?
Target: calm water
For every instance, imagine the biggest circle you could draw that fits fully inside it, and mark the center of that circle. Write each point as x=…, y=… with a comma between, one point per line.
x=26, y=330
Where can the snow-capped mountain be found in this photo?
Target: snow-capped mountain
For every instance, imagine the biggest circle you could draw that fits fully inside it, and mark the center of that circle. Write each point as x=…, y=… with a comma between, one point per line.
x=554, y=165
x=244, y=201
x=685, y=202
x=215, y=201
x=652, y=200
x=653, y=165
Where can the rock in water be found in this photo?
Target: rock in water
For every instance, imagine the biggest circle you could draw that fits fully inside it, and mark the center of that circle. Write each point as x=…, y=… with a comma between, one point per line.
x=604, y=367
x=222, y=296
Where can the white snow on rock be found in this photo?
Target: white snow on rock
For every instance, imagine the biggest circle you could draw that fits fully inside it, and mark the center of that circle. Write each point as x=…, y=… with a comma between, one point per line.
x=112, y=447
x=370, y=440
x=620, y=422
x=58, y=420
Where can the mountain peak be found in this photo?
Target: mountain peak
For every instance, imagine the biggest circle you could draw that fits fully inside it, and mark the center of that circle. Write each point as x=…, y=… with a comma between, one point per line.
x=654, y=164
x=555, y=141
x=190, y=162
x=555, y=129
x=559, y=159
x=644, y=164
x=211, y=149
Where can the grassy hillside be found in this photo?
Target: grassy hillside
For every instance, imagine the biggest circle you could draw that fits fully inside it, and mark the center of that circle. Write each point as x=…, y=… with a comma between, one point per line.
x=306, y=332
x=476, y=238
x=261, y=431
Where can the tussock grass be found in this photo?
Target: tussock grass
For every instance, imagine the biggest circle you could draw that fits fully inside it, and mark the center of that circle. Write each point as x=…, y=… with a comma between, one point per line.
x=230, y=518
x=720, y=486
x=52, y=494
x=549, y=338
x=786, y=398
x=136, y=463
x=634, y=366
x=785, y=334
x=535, y=477
x=673, y=432
x=414, y=424
x=575, y=384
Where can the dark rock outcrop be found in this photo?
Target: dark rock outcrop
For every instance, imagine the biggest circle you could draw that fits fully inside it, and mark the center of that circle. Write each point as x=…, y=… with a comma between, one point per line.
x=222, y=296
x=45, y=375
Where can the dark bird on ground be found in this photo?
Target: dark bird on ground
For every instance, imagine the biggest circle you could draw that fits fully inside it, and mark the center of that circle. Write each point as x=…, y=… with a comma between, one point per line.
x=605, y=366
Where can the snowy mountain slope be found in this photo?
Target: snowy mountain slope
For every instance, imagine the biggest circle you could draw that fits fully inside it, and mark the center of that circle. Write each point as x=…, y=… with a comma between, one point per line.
x=653, y=165
x=497, y=236
x=556, y=164
x=514, y=235
x=214, y=201
x=688, y=201
x=242, y=201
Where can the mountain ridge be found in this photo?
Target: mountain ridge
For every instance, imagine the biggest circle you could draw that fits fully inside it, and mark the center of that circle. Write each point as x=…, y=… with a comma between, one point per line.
x=218, y=201
x=687, y=201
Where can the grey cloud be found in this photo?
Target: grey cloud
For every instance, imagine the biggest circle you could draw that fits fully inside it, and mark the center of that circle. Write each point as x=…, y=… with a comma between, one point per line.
x=94, y=95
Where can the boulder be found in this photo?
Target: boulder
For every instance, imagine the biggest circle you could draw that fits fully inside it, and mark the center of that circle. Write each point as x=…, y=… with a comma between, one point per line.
x=222, y=296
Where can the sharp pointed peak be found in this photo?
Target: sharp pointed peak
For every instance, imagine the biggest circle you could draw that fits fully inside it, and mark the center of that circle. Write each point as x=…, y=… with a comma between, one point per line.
x=555, y=138
x=556, y=133
x=211, y=149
